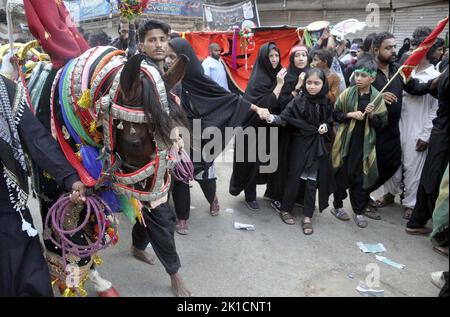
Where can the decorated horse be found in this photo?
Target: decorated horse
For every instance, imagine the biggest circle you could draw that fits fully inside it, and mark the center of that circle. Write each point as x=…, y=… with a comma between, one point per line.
x=113, y=119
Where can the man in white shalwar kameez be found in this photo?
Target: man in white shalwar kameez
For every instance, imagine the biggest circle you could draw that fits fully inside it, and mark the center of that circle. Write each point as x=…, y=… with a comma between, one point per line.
x=415, y=126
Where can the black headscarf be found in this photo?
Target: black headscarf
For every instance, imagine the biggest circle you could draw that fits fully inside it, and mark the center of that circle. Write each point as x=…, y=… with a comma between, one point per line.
x=306, y=113
x=290, y=81
x=203, y=98
x=263, y=79
x=305, y=107
x=404, y=48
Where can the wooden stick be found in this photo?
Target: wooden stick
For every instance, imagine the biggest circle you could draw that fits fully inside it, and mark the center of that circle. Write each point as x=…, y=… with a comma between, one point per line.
x=387, y=85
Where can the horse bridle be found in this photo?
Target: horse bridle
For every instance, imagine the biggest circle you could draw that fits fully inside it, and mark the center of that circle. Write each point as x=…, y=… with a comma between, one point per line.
x=126, y=182
x=106, y=111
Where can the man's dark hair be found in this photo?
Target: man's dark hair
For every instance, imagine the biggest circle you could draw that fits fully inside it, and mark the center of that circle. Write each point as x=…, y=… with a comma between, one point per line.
x=358, y=41
x=152, y=25
x=368, y=41
x=348, y=44
x=439, y=43
x=324, y=55
x=367, y=62
x=99, y=39
x=417, y=40
x=381, y=37
x=421, y=32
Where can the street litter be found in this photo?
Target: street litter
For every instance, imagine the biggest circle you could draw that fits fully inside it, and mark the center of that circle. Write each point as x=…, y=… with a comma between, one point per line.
x=193, y=207
x=365, y=291
x=243, y=226
x=390, y=262
x=351, y=275
x=229, y=210
x=371, y=248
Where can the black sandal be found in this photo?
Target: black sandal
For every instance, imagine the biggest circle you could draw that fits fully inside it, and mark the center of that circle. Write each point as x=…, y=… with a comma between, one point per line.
x=307, y=226
x=418, y=231
x=386, y=200
x=287, y=218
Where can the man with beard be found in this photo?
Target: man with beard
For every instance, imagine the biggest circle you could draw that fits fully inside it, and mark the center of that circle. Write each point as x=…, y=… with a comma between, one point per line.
x=388, y=141
x=122, y=41
x=418, y=113
x=214, y=68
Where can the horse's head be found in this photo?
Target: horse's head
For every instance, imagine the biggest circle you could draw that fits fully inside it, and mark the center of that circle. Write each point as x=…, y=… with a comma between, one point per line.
x=143, y=90
x=100, y=102
x=137, y=123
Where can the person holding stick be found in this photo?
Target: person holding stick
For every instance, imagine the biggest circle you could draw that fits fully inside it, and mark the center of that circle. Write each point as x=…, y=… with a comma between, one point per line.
x=391, y=88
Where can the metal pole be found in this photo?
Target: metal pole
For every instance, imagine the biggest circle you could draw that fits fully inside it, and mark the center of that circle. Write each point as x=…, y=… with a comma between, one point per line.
x=10, y=27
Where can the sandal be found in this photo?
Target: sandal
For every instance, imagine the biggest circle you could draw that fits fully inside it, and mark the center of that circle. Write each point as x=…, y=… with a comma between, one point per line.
x=287, y=218
x=360, y=221
x=182, y=227
x=214, y=208
x=418, y=231
x=372, y=213
x=340, y=213
x=372, y=202
x=441, y=250
x=407, y=213
x=307, y=228
x=386, y=200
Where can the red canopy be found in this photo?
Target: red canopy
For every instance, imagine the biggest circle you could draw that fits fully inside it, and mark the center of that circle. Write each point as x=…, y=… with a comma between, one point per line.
x=284, y=37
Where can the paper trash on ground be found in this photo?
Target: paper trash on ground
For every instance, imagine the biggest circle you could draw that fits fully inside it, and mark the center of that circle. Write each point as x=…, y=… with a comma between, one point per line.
x=371, y=248
x=229, y=210
x=390, y=262
x=243, y=226
x=365, y=291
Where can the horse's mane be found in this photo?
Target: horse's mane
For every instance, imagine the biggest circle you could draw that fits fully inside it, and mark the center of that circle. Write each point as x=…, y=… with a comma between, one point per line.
x=138, y=91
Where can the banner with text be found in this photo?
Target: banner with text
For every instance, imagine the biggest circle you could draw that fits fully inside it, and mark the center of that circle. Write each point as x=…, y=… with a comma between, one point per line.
x=242, y=15
x=82, y=10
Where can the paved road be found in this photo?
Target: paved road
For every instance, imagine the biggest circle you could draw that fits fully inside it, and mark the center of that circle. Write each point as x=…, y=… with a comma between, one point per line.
x=276, y=259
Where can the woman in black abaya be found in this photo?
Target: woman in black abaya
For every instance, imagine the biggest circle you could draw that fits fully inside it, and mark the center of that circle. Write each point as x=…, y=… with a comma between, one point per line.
x=202, y=98
x=298, y=66
x=263, y=89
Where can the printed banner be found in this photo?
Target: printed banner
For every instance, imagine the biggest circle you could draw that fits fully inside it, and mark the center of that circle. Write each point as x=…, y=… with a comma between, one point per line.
x=82, y=10
x=240, y=15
